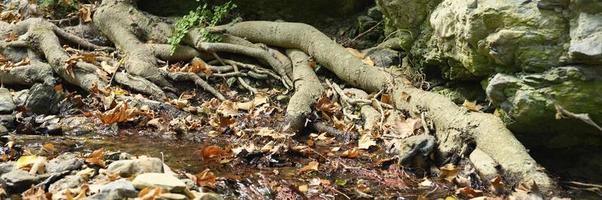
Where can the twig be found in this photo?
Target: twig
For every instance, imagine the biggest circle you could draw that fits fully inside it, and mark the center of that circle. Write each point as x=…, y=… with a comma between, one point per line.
x=562, y=113
x=363, y=33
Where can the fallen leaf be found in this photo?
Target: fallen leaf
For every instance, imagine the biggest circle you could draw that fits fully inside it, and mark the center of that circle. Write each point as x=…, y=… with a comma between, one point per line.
x=121, y=113
x=197, y=66
x=469, y=192
x=408, y=127
x=267, y=132
x=310, y=167
x=365, y=142
x=35, y=193
x=206, y=179
x=259, y=99
x=26, y=161
x=303, y=188
x=449, y=172
x=351, y=153
x=497, y=185
x=356, y=53
x=213, y=152
x=227, y=109
x=472, y=106
x=97, y=158
x=325, y=105
x=39, y=166
x=149, y=194
x=85, y=14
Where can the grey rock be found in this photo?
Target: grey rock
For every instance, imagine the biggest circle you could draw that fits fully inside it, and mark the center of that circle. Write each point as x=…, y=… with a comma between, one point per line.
x=69, y=182
x=383, y=57
x=415, y=150
x=172, y=196
x=586, y=39
x=20, y=97
x=6, y=101
x=128, y=168
x=18, y=180
x=6, y=167
x=164, y=181
x=7, y=121
x=190, y=184
x=64, y=162
x=116, y=190
x=43, y=99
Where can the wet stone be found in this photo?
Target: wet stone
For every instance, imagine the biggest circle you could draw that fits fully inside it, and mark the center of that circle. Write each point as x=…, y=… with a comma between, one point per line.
x=64, y=162
x=161, y=180
x=120, y=189
x=128, y=168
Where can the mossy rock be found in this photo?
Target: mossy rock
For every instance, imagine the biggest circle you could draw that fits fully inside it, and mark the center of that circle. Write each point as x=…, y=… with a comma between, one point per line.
x=527, y=103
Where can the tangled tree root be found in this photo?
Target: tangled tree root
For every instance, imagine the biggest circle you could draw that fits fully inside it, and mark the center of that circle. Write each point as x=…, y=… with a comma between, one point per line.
x=142, y=37
x=455, y=127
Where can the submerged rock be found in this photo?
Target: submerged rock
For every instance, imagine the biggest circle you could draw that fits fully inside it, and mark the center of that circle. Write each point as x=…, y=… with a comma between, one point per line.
x=164, y=181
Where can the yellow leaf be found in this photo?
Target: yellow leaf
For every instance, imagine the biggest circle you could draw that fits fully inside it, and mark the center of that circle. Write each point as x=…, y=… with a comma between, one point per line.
x=26, y=161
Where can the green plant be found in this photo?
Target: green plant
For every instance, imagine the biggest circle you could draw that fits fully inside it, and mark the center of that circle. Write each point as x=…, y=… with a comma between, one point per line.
x=202, y=16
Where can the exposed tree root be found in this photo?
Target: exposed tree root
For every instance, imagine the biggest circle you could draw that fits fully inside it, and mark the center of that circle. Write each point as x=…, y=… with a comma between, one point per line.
x=307, y=90
x=141, y=37
x=41, y=36
x=456, y=127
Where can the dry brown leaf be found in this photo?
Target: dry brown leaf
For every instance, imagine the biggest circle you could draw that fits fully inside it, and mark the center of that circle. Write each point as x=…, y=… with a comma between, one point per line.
x=213, y=152
x=408, y=127
x=120, y=113
x=351, y=153
x=469, y=192
x=34, y=193
x=206, y=179
x=227, y=109
x=449, y=172
x=149, y=194
x=405, y=96
x=267, y=132
x=258, y=100
x=471, y=106
x=198, y=65
x=310, y=167
x=325, y=105
x=85, y=13
x=365, y=142
x=497, y=185
x=386, y=98
x=97, y=158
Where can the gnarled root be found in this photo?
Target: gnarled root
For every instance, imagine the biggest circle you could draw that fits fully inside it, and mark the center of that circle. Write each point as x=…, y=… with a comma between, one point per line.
x=41, y=36
x=307, y=90
x=455, y=126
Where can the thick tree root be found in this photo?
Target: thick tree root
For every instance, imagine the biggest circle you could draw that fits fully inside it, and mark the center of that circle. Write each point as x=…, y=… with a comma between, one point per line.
x=455, y=126
x=41, y=36
x=324, y=50
x=307, y=90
